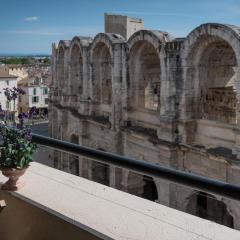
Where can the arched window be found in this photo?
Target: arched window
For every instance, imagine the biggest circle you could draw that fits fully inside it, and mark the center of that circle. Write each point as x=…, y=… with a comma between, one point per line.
x=217, y=90
x=142, y=186
x=208, y=207
x=102, y=74
x=210, y=80
x=145, y=82
x=76, y=71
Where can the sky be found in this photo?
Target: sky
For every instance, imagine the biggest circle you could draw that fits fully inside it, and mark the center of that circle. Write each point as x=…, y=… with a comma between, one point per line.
x=30, y=26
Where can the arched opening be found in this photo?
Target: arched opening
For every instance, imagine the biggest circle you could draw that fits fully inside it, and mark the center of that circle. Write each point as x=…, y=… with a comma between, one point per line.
x=213, y=94
x=76, y=74
x=149, y=189
x=144, y=73
x=101, y=172
x=60, y=69
x=142, y=186
x=74, y=159
x=208, y=207
x=102, y=74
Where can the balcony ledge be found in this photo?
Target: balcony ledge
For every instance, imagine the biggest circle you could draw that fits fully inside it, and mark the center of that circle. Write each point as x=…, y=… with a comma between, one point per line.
x=108, y=213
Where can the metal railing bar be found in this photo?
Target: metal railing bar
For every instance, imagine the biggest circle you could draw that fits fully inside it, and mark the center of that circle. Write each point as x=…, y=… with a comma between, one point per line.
x=191, y=180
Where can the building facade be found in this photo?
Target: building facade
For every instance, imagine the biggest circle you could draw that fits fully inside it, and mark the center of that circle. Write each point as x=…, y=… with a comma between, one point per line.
x=17, y=70
x=169, y=101
x=7, y=81
x=36, y=95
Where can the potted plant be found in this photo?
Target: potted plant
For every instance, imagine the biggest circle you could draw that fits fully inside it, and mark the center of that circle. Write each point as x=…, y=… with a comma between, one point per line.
x=16, y=147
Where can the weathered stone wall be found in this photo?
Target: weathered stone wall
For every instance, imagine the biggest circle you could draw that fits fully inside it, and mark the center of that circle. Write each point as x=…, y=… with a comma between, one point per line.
x=173, y=102
x=123, y=25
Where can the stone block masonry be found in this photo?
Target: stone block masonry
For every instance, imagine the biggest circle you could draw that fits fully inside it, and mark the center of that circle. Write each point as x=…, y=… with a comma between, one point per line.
x=157, y=98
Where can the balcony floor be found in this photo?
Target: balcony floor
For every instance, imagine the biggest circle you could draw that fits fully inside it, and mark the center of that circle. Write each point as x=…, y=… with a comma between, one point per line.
x=101, y=211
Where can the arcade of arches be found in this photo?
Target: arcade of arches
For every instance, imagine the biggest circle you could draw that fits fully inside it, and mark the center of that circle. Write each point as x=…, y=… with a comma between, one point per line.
x=153, y=97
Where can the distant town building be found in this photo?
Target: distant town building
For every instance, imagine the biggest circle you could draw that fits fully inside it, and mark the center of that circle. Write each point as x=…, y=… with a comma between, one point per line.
x=36, y=96
x=6, y=81
x=17, y=70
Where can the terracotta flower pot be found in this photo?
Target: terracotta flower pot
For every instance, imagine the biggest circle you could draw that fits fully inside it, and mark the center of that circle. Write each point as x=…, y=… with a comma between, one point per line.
x=13, y=183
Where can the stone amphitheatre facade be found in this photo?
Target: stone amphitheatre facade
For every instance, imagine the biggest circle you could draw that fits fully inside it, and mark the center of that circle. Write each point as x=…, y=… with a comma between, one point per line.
x=169, y=101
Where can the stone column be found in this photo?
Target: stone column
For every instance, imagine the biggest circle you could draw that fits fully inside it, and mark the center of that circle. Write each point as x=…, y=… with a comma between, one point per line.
x=186, y=128
x=124, y=180
x=236, y=149
x=116, y=85
x=112, y=182
x=237, y=86
x=167, y=99
x=163, y=190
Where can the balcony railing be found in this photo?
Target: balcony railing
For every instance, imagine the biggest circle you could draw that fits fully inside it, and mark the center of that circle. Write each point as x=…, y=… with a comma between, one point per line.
x=191, y=180
x=56, y=200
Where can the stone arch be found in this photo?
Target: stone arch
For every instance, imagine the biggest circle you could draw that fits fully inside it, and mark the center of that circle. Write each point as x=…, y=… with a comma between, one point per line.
x=102, y=69
x=145, y=64
x=209, y=207
x=76, y=67
x=62, y=56
x=233, y=208
x=63, y=46
x=101, y=58
x=210, y=54
x=142, y=186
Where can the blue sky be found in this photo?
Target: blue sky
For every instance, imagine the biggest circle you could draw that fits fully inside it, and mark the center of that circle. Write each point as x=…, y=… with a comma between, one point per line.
x=30, y=26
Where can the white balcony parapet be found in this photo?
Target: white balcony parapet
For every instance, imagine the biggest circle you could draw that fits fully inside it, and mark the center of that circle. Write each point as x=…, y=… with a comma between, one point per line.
x=111, y=214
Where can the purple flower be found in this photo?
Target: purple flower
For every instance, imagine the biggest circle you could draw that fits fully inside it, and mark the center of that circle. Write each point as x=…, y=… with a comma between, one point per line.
x=32, y=111
x=19, y=91
x=12, y=94
x=23, y=115
x=27, y=134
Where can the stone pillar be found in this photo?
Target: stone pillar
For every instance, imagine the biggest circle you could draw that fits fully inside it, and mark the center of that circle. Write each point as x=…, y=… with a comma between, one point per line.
x=112, y=182
x=163, y=191
x=237, y=86
x=236, y=149
x=66, y=75
x=84, y=105
x=171, y=84
x=187, y=103
x=124, y=180
x=116, y=85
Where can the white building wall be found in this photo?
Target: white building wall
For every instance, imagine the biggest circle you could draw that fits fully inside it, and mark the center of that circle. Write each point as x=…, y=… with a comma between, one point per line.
x=7, y=83
x=27, y=99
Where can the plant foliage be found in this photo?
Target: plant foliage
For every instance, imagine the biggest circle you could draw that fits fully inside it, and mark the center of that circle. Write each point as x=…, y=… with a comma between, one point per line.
x=16, y=147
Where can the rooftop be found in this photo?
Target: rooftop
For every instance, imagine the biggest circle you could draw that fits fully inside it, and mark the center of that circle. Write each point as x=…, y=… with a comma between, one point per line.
x=5, y=74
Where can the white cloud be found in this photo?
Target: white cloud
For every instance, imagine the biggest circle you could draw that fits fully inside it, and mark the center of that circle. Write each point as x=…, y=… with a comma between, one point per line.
x=31, y=19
